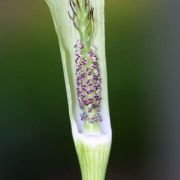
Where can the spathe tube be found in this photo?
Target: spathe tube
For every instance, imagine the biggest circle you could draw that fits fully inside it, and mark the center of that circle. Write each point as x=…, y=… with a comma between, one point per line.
x=92, y=149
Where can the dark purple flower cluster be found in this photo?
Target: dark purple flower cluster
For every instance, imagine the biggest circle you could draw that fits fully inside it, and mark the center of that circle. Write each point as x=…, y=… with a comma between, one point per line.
x=88, y=82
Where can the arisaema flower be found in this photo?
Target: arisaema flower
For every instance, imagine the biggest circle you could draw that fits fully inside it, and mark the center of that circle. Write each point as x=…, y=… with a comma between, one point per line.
x=80, y=28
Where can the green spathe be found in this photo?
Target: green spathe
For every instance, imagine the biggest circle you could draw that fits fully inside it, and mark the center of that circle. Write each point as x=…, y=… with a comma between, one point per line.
x=92, y=150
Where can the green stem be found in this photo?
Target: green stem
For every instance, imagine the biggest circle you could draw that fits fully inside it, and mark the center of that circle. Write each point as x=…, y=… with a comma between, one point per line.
x=93, y=159
x=91, y=128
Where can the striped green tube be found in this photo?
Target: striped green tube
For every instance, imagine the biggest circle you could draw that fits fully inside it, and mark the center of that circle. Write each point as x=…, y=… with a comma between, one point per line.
x=79, y=25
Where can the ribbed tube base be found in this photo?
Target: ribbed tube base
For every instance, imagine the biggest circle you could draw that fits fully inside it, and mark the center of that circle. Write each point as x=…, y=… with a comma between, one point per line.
x=93, y=155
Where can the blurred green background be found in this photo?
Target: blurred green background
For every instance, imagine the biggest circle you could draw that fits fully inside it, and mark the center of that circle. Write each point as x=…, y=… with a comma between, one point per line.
x=35, y=135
